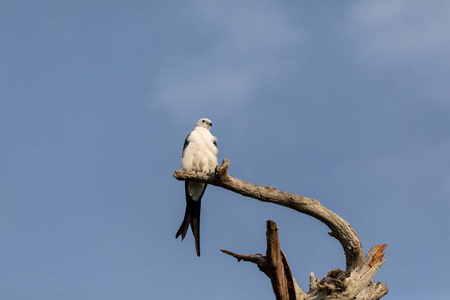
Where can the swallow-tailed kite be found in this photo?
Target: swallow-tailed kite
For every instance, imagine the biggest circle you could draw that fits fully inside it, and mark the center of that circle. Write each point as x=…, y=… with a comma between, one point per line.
x=199, y=154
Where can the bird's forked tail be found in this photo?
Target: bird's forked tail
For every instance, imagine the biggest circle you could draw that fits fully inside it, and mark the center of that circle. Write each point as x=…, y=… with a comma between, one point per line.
x=191, y=217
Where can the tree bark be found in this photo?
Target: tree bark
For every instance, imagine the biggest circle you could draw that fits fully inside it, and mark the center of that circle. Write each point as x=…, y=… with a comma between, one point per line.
x=353, y=283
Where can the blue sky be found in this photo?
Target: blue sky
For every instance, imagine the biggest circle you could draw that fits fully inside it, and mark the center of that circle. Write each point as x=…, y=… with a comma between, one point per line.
x=344, y=102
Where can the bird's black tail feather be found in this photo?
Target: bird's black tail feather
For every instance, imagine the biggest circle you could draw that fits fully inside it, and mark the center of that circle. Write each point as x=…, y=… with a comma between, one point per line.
x=192, y=217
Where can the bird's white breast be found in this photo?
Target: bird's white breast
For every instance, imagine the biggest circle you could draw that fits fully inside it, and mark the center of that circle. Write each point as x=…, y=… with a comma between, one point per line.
x=201, y=153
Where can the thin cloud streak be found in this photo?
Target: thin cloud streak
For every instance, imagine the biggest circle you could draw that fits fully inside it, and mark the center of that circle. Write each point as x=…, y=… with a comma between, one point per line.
x=401, y=29
x=245, y=53
x=393, y=35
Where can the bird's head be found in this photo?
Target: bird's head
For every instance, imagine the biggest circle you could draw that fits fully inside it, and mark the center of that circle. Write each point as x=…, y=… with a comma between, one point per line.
x=205, y=123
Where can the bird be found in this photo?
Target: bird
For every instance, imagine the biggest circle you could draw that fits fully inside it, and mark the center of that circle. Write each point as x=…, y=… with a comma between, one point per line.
x=200, y=155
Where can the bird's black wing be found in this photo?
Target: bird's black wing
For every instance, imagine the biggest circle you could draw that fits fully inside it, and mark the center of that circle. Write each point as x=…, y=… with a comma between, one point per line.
x=186, y=143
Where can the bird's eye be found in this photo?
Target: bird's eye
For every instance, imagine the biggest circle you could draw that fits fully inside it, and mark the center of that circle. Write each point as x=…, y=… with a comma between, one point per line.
x=203, y=121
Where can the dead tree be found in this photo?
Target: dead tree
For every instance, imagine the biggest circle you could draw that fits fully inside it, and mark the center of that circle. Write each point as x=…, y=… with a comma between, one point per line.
x=355, y=282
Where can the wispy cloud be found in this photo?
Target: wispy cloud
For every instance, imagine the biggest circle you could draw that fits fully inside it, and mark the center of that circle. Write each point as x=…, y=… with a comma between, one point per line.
x=410, y=34
x=402, y=29
x=249, y=43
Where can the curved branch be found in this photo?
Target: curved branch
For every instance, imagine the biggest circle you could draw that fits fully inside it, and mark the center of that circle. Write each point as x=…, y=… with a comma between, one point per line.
x=340, y=229
x=354, y=284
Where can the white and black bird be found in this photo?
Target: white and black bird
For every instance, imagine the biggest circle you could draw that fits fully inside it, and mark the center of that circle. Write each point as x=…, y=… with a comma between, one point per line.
x=199, y=154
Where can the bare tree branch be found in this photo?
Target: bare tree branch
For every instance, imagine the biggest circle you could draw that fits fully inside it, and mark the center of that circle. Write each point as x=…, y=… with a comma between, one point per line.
x=258, y=259
x=340, y=229
x=353, y=283
x=275, y=266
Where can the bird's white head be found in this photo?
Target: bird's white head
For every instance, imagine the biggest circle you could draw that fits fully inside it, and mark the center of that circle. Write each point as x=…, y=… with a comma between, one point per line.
x=205, y=123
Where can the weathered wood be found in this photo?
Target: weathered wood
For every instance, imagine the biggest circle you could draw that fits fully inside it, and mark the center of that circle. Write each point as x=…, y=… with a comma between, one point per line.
x=353, y=283
x=275, y=266
x=295, y=292
x=336, y=285
x=274, y=263
x=340, y=229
